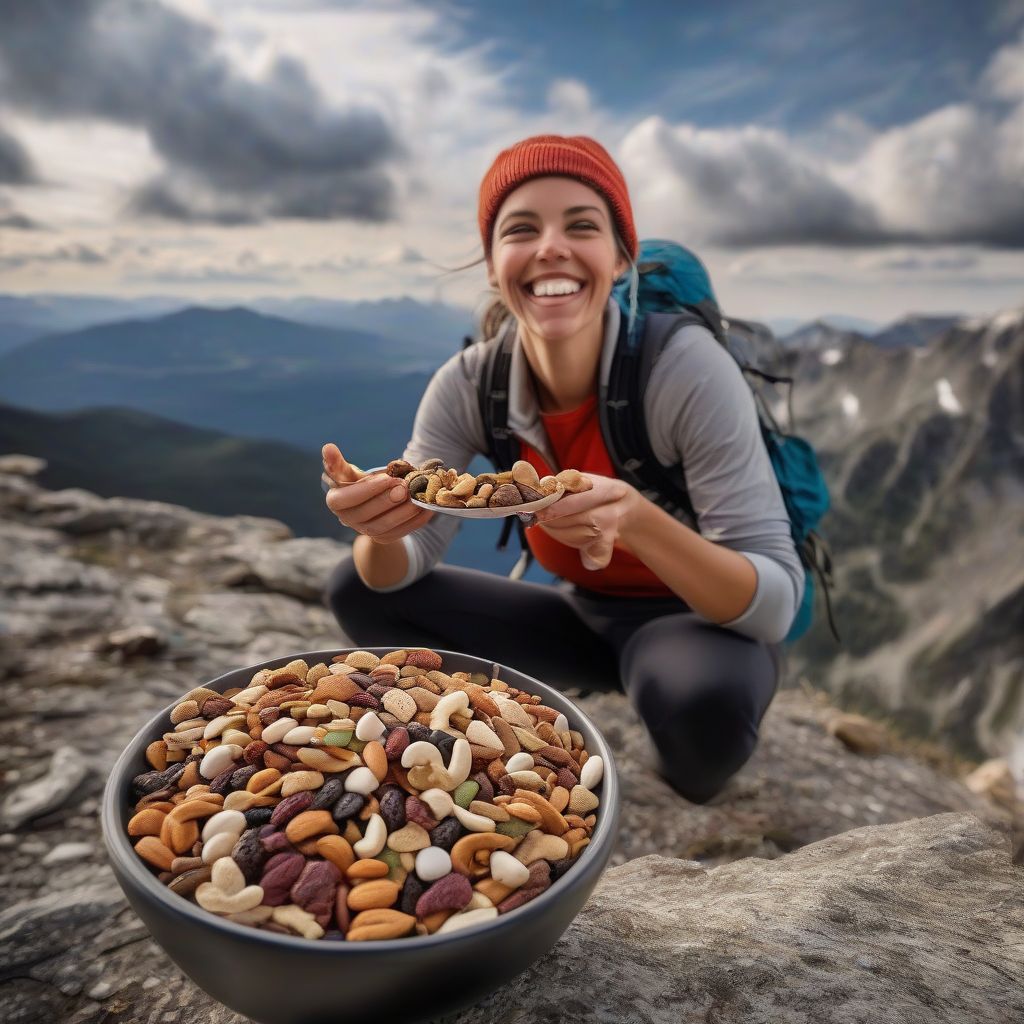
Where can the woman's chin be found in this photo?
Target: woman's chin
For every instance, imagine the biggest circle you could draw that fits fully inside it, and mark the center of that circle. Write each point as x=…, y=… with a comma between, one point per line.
x=555, y=328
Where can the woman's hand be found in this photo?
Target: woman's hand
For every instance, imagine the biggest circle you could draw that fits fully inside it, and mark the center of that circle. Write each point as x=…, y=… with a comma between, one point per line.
x=373, y=504
x=593, y=521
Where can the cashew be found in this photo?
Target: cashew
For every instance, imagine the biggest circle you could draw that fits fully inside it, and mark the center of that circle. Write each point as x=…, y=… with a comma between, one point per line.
x=209, y=897
x=374, y=839
x=420, y=753
x=448, y=705
x=298, y=920
x=537, y=845
x=464, y=851
x=461, y=763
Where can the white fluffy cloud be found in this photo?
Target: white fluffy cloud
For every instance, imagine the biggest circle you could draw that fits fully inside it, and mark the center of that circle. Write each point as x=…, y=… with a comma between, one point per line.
x=955, y=175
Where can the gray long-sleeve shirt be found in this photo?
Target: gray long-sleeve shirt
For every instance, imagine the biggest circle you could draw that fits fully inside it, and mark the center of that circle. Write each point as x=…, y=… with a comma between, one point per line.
x=699, y=413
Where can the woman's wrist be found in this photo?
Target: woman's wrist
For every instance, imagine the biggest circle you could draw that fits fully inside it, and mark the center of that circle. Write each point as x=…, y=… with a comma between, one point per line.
x=635, y=511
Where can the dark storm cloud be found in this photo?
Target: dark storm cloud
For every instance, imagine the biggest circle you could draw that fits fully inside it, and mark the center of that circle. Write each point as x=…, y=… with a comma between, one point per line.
x=237, y=149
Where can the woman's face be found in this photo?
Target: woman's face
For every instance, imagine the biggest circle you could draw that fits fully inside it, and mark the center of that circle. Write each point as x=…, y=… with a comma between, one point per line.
x=553, y=257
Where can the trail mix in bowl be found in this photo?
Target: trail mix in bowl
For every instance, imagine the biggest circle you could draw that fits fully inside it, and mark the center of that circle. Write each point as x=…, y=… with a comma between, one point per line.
x=437, y=484
x=373, y=798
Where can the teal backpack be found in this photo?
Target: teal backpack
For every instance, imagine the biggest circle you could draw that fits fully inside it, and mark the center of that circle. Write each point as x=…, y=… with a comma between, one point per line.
x=674, y=289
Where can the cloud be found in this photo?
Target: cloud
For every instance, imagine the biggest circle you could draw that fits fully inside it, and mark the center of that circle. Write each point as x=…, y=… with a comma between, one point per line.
x=238, y=148
x=745, y=186
x=14, y=219
x=15, y=164
x=954, y=176
x=919, y=260
x=73, y=252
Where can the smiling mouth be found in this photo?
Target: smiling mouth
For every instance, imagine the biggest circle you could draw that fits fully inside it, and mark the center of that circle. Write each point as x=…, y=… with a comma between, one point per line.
x=553, y=291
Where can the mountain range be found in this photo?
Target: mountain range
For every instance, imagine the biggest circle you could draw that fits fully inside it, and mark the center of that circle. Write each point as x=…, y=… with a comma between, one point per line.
x=923, y=449
x=126, y=453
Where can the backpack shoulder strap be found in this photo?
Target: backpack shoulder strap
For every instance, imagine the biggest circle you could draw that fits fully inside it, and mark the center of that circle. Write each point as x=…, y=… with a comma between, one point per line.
x=502, y=449
x=621, y=408
x=492, y=394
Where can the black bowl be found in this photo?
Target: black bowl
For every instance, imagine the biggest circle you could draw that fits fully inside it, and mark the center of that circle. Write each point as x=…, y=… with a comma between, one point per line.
x=281, y=979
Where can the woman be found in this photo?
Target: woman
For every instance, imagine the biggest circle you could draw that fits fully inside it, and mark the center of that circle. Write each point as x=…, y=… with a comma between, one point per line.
x=685, y=616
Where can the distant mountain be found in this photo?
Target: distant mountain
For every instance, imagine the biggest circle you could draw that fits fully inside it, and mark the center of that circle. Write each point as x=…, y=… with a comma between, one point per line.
x=435, y=328
x=819, y=335
x=429, y=329
x=914, y=331
x=47, y=313
x=923, y=448
x=13, y=334
x=784, y=325
x=235, y=371
x=134, y=455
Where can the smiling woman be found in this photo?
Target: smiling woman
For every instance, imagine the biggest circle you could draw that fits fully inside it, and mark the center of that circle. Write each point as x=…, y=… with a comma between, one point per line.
x=689, y=627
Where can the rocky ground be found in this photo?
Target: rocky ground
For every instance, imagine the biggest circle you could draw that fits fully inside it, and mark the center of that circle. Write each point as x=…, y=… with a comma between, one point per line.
x=111, y=608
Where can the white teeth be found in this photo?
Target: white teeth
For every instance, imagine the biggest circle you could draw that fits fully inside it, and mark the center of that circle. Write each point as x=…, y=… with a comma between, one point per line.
x=560, y=286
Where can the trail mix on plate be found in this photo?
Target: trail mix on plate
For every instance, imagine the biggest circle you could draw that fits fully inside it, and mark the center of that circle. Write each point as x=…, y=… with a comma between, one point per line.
x=372, y=798
x=436, y=484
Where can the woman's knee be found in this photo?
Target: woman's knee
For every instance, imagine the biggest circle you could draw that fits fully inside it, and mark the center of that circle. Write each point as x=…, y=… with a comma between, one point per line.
x=702, y=709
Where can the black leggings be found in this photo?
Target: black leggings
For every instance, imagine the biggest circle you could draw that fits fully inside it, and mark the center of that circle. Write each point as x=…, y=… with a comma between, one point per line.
x=700, y=690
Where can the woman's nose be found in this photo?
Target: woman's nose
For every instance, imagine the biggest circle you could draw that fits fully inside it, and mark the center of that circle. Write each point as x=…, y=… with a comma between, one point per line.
x=552, y=246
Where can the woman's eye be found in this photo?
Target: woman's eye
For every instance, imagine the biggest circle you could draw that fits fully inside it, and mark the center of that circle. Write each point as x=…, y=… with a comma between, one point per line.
x=584, y=225
x=517, y=229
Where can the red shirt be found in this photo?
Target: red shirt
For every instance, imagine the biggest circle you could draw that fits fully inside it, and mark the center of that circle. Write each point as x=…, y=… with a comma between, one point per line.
x=576, y=441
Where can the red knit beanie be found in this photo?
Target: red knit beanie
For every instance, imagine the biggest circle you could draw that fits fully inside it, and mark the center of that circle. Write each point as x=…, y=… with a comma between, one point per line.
x=573, y=156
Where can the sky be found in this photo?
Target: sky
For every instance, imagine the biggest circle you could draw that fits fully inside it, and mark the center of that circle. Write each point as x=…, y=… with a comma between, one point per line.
x=856, y=157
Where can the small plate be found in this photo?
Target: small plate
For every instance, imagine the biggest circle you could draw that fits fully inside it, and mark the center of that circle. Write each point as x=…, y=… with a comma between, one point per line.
x=494, y=513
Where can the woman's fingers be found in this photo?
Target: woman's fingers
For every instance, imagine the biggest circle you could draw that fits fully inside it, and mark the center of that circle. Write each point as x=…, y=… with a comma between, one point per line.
x=421, y=518
x=365, y=499
x=337, y=467
x=577, y=532
x=597, y=556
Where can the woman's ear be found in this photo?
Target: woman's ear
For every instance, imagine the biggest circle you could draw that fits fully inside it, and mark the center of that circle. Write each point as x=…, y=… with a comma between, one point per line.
x=492, y=280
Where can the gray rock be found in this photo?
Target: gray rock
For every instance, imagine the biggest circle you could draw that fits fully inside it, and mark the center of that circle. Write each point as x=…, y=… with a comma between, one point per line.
x=800, y=786
x=67, y=853
x=298, y=567
x=65, y=774
x=239, y=618
x=920, y=922
x=136, y=641
x=39, y=929
x=22, y=465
